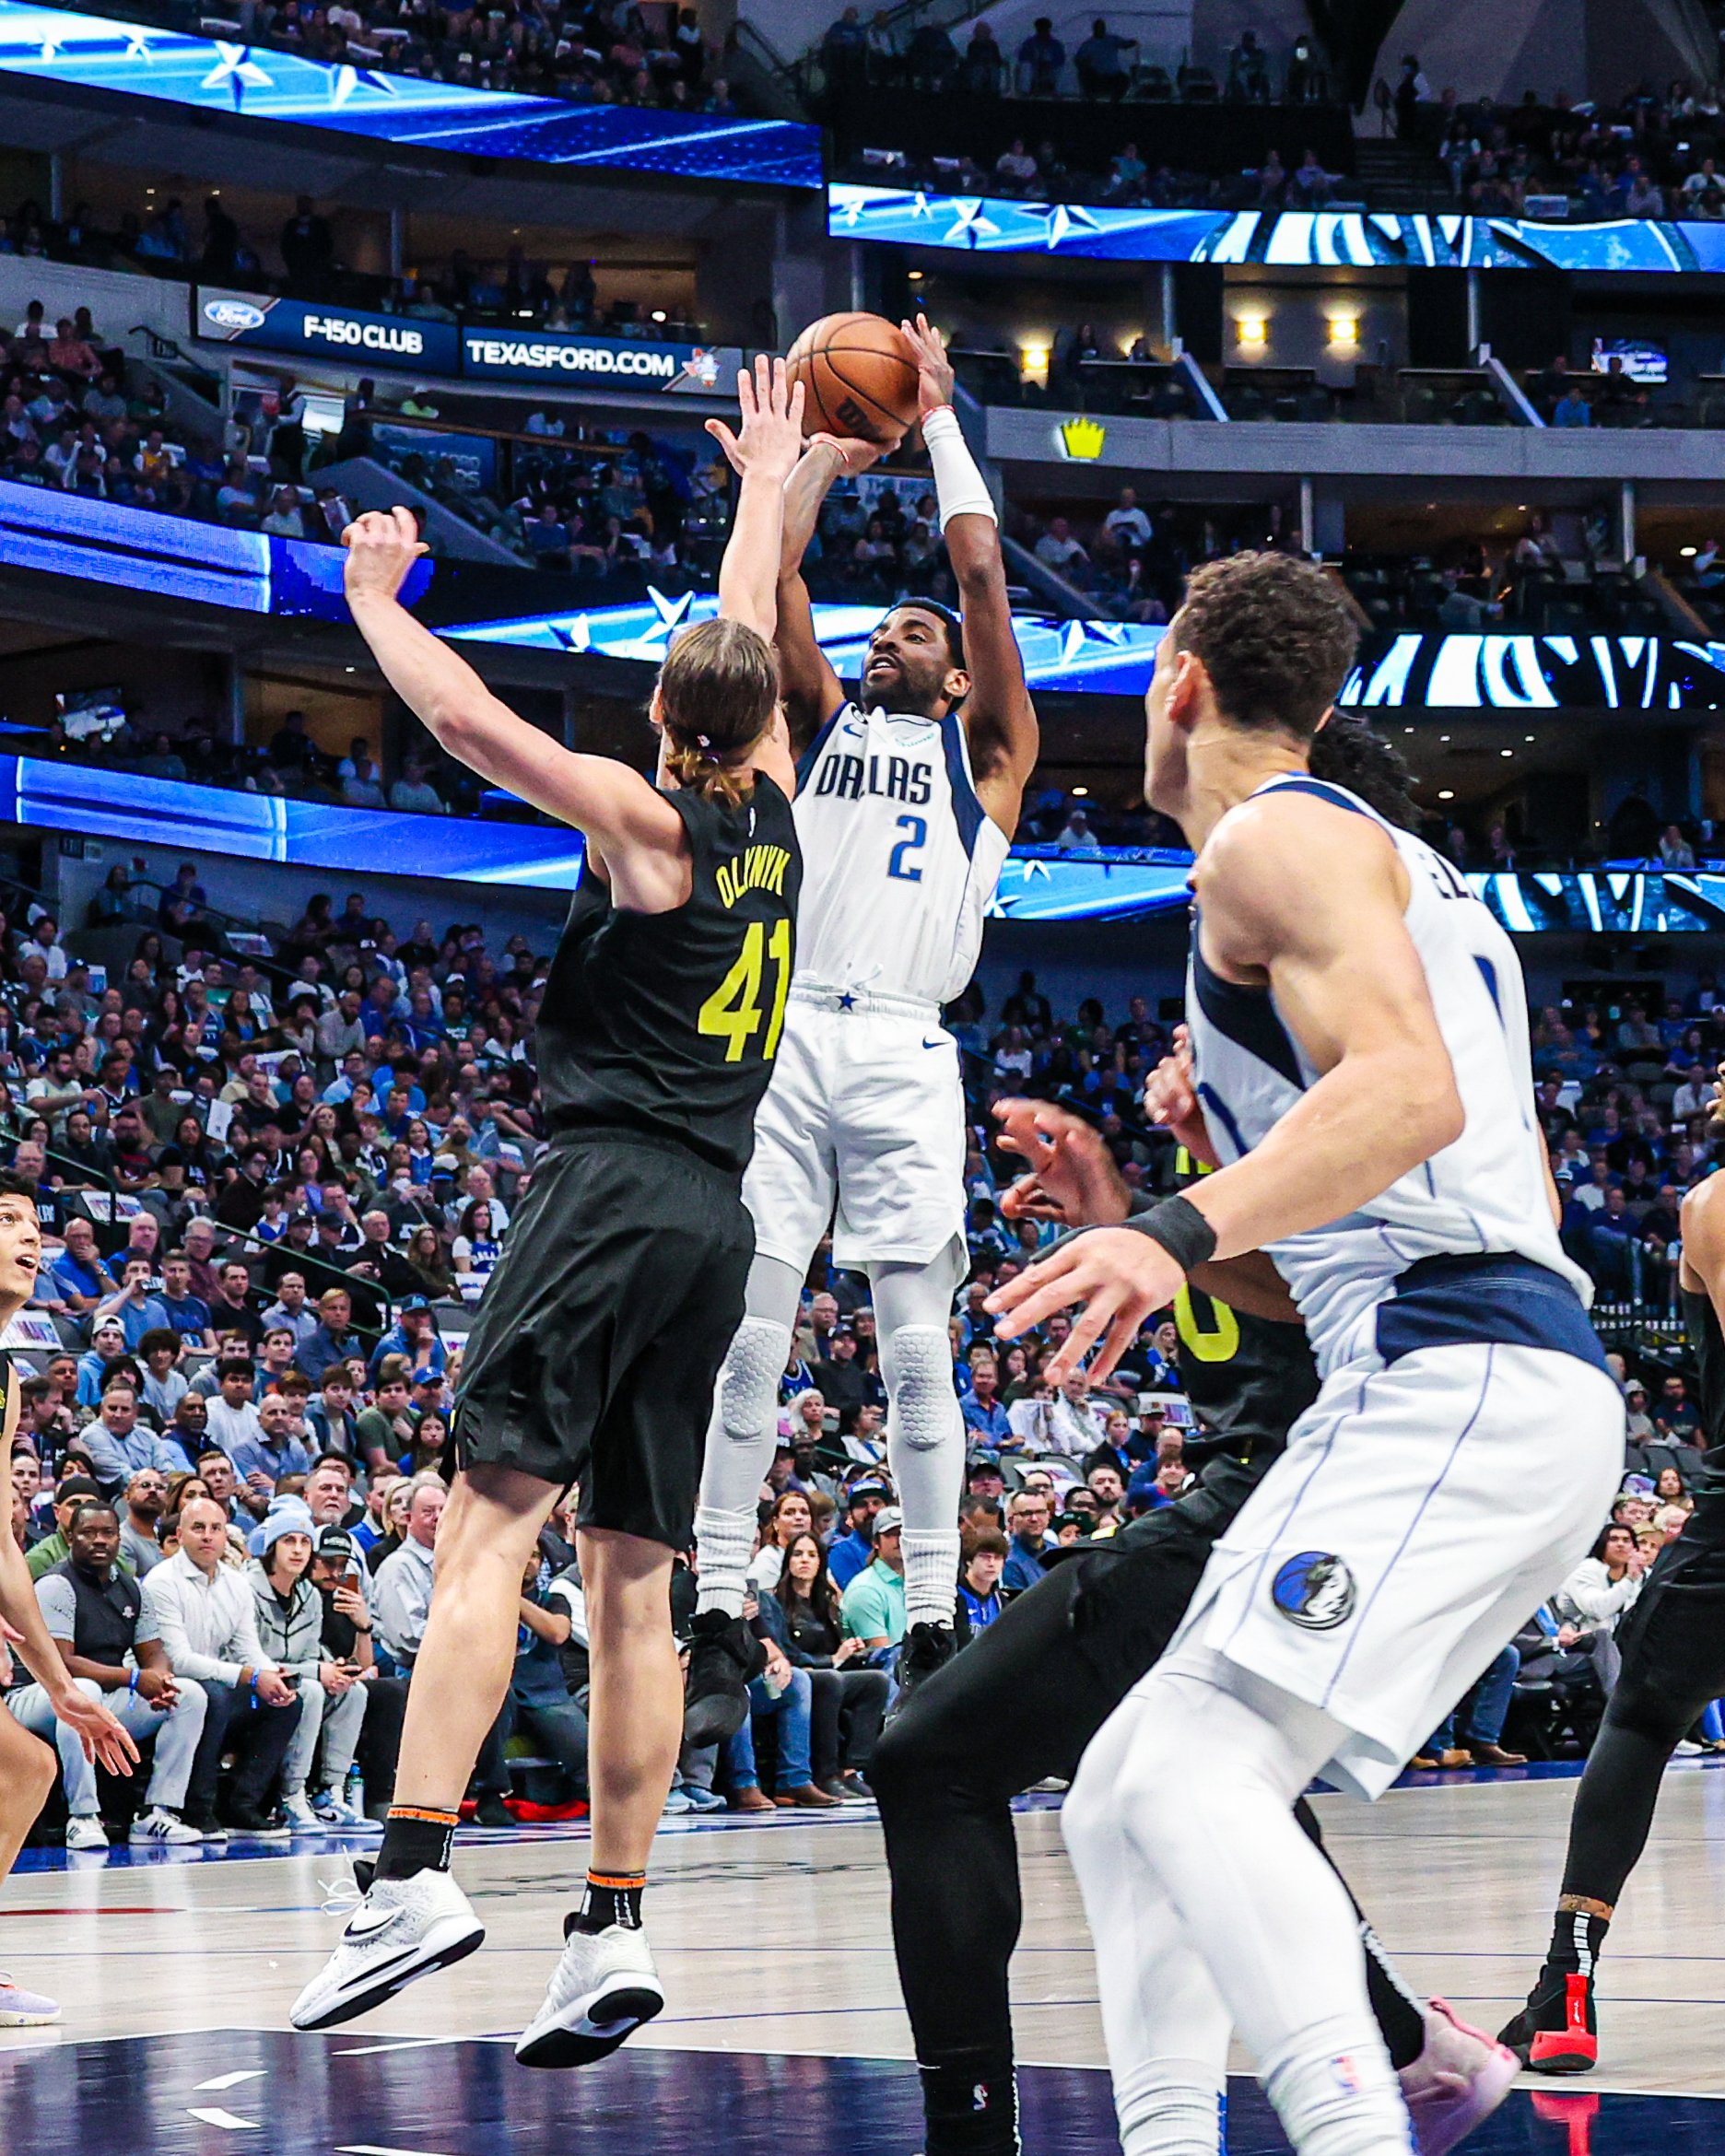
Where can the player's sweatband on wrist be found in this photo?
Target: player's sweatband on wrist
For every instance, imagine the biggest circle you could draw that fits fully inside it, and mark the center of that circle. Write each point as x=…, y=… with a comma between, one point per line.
x=959, y=488
x=1181, y=1228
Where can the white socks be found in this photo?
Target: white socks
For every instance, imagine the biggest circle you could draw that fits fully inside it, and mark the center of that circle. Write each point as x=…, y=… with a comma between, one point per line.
x=1336, y=2092
x=930, y=1563
x=740, y=1441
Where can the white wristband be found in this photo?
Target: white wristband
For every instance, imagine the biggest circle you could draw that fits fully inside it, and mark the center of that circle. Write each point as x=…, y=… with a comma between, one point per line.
x=958, y=486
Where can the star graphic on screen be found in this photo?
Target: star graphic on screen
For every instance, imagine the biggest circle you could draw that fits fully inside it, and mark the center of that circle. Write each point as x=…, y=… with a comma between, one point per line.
x=138, y=45
x=575, y=635
x=968, y=222
x=236, y=67
x=344, y=80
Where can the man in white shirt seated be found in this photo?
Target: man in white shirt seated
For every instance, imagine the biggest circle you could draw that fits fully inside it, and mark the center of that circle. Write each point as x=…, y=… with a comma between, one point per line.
x=401, y=1593
x=203, y=1614
x=1126, y=523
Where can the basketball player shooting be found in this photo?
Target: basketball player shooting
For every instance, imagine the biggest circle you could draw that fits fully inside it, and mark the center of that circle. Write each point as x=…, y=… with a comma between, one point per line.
x=1359, y=1053
x=906, y=800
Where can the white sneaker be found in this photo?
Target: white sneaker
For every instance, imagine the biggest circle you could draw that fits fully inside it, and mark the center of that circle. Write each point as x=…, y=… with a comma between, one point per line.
x=1458, y=2081
x=85, y=1832
x=1686, y=1748
x=156, y=1825
x=403, y=1928
x=336, y=1816
x=602, y=1990
x=300, y=1818
x=25, y=2009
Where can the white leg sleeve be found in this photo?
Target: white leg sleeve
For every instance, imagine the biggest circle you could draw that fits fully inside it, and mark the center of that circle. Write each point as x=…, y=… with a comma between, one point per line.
x=925, y=1438
x=1200, y=1765
x=741, y=1434
x=1165, y=2022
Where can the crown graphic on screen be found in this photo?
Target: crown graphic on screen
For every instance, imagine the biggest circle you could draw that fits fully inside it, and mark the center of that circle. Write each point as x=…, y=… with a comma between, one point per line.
x=1082, y=438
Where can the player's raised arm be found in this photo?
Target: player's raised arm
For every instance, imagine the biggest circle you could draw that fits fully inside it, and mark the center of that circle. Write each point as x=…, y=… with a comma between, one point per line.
x=765, y=453
x=812, y=690
x=1310, y=899
x=596, y=794
x=1000, y=720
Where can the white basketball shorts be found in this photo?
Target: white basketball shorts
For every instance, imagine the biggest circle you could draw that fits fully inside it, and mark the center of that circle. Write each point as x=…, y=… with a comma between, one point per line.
x=866, y=1109
x=1420, y=1515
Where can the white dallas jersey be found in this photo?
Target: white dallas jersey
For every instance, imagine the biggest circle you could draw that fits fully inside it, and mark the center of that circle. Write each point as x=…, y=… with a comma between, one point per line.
x=1484, y=1192
x=899, y=857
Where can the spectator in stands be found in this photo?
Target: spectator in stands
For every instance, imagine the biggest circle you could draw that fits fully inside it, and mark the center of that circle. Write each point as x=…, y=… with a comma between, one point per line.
x=203, y=1613
x=290, y=1626
x=401, y=1593
x=140, y=1522
x=1101, y=70
x=980, y=1581
x=332, y=1340
x=872, y=1607
x=96, y=1614
x=1040, y=58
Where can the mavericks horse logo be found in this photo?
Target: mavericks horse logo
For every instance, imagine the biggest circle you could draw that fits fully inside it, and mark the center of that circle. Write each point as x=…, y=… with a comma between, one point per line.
x=1314, y=1590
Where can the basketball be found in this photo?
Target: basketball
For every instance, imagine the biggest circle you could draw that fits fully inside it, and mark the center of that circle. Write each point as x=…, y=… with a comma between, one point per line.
x=859, y=374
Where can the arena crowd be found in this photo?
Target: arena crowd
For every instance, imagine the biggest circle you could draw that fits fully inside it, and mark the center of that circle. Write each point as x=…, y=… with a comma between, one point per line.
x=272, y=1192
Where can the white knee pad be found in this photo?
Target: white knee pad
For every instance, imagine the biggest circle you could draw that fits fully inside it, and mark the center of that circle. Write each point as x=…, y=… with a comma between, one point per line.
x=748, y=1383
x=924, y=1413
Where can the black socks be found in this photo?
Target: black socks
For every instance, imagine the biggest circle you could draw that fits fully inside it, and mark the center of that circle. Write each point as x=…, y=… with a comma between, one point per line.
x=613, y=1898
x=970, y=2113
x=1576, y=1939
x=415, y=1838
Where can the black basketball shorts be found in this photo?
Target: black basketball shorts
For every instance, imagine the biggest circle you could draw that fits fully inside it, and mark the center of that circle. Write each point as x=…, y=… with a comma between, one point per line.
x=598, y=1337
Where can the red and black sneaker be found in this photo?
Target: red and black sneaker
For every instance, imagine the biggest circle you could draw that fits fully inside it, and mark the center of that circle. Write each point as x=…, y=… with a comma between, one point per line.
x=1556, y=2033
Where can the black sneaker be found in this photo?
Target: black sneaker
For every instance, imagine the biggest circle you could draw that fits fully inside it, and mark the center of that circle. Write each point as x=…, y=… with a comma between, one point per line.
x=723, y=1655
x=927, y=1648
x=1556, y=2031
x=257, y=1826
x=491, y=1811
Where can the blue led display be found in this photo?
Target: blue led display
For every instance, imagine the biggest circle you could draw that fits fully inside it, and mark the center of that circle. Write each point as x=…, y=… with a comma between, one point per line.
x=212, y=75
x=1099, y=656
x=258, y=826
x=1403, y=239
x=1539, y=672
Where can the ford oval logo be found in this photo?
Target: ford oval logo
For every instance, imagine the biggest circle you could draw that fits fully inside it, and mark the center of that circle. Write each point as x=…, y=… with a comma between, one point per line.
x=233, y=314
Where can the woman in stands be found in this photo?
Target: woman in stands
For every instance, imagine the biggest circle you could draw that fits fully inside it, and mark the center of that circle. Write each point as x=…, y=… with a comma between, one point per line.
x=848, y=1703
x=791, y=1518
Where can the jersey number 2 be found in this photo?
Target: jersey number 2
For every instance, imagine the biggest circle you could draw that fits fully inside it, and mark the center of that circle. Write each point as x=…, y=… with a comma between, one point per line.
x=733, y=1011
x=897, y=866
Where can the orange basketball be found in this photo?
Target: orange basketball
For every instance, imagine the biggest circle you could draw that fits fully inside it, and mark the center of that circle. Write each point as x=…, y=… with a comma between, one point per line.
x=859, y=374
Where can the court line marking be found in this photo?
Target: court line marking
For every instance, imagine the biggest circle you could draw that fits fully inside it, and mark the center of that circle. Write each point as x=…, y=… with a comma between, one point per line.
x=371, y=2148
x=400, y=2044
x=212, y=2114
x=232, y=2081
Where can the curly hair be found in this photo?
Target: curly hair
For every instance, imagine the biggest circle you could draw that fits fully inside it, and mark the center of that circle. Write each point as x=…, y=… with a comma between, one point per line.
x=1274, y=635
x=1347, y=753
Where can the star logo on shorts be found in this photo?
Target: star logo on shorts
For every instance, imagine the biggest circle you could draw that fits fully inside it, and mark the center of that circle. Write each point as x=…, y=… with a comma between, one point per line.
x=1314, y=1590
x=847, y=1002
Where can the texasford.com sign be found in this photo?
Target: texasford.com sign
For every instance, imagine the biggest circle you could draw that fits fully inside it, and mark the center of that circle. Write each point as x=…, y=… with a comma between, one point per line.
x=397, y=344
x=688, y=369
x=298, y=325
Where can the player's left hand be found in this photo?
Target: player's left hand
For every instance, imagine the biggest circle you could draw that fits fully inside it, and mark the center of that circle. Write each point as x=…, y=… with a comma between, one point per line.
x=383, y=545
x=935, y=374
x=1118, y=1275
x=103, y=1738
x=770, y=441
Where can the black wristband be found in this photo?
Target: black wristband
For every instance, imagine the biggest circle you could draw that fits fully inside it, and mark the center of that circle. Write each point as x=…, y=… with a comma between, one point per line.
x=1181, y=1228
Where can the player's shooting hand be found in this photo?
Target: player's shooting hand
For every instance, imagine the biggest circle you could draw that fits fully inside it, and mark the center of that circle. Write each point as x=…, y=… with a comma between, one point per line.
x=1073, y=1177
x=935, y=374
x=1118, y=1275
x=383, y=545
x=771, y=440
x=857, y=453
x=1170, y=1098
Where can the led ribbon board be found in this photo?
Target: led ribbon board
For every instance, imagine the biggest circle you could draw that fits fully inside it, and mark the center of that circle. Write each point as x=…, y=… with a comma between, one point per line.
x=1609, y=900
x=1112, y=656
x=1596, y=672
x=204, y=74
x=1307, y=238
